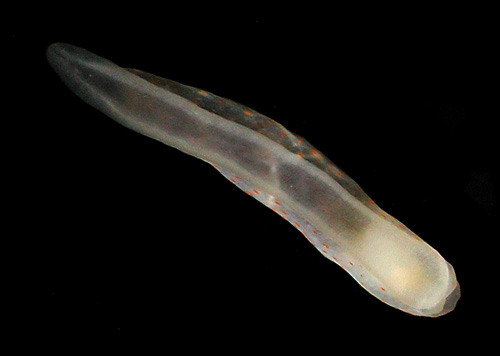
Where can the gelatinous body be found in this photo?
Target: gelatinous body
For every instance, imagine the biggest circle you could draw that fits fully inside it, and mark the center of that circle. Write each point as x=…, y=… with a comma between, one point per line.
x=278, y=168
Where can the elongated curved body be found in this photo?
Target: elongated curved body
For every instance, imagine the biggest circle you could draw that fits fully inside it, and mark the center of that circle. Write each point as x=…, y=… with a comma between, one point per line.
x=276, y=167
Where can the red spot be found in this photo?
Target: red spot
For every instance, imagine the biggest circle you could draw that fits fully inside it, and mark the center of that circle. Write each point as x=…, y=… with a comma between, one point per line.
x=301, y=155
x=340, y=174
x=256, y=191
x=249, y=193
x=314, y=152
x=300, y=139
x=371, y=202
x=352, y=264
x=204, y=92
x=382, y=289
x=283, y=211
x=277, y=202
x=326, y=246
x=247, y=112
x=298, y=225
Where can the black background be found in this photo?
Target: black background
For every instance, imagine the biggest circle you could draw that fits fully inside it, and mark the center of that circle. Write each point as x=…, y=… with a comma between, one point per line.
x=120, y=236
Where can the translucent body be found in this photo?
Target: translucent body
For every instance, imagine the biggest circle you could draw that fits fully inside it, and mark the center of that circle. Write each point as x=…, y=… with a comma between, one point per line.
x=279, y=169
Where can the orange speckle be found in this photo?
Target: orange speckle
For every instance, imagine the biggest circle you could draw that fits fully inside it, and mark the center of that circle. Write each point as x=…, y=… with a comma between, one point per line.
x=247, y=112
x=382, y=289
x=298, y=225
x=300, y=139
x=324, y=251
x=256, y=191
x=277, y=202
x=315, y=231
x=283, y=211
x=249, y=193
x=314, y=152
x=301, y=155
x=340, y=174
x=326, y=246
x=350, y=262
x=204, y=92
x=371, y=202
x=335, y=258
